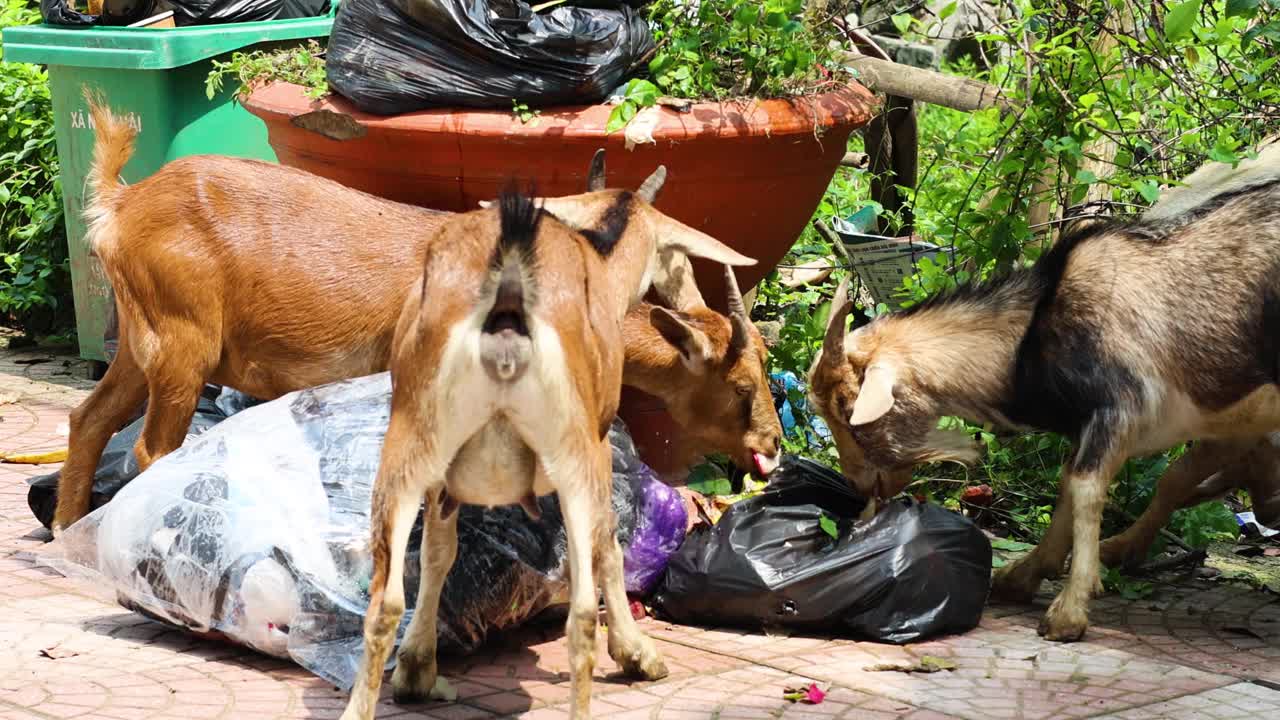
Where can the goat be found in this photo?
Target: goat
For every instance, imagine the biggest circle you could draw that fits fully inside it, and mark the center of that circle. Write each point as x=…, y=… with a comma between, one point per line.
x=1126, y=338
x=269, y=279
x=506, y=373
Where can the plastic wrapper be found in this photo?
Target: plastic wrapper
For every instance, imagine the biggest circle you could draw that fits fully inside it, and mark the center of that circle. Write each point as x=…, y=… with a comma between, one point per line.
x=395, y=56
x=258, y=528
x=661, y=522
x=796, y=557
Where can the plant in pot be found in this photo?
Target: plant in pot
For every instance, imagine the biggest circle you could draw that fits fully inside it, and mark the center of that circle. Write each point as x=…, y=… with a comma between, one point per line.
x=742, y=101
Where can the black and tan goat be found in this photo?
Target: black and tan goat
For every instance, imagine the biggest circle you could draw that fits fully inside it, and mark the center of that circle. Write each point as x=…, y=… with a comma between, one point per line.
x=1128, y=339
x=506, y=372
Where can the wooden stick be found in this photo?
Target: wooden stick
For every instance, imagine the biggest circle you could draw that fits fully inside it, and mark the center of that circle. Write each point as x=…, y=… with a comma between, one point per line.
x=926, y=85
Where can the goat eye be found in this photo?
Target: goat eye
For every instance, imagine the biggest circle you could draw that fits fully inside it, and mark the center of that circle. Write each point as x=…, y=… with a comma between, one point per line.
x=744, y=390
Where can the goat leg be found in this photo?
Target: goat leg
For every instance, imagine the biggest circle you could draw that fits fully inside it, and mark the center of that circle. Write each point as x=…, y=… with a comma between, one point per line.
x=416, y=677
x=628, y=645
x=173, y=391
x=1018, y=581
x=1205, y=471
x=106, y=410
x=579, y=484
x=1096, y=462
x=403, y=477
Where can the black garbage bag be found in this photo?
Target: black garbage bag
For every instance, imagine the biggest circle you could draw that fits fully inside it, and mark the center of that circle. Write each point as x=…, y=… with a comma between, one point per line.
x=60, y=13
x=217, y=12
x=395, y=56
x=912, y=572
x=119, y=465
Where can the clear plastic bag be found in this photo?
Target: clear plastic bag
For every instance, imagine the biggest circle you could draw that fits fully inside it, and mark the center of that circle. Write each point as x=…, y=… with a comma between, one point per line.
x=258, y=529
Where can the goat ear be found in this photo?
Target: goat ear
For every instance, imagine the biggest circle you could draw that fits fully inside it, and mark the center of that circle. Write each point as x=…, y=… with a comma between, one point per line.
x=673, y=234
x=875, y=398
x=595, y=175
x=692, y=344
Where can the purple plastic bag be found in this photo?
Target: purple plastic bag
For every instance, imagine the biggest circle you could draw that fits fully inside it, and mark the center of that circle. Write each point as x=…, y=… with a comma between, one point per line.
x=661, y=522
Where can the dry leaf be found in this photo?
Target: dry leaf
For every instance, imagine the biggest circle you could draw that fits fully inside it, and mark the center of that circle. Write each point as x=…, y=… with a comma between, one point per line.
x=57, y=653
x=926, y=664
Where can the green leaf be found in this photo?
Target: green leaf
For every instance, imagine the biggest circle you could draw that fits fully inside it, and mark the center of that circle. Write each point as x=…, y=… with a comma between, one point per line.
x=620, y=116
x=747, y=15
x=1086, y=176
x=1088, y=100
x=1180, y=19
x=947, y=11
x=642, y=92
x=1242, y=8
x=1149, y=190
x=902, y=22
x=998, y=562
x=828, y=526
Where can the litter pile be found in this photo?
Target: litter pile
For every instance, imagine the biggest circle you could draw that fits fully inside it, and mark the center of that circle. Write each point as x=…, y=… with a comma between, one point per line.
x=257, y=530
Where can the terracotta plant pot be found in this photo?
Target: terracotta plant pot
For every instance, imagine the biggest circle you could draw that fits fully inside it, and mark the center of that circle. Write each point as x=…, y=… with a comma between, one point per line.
x=748, y=173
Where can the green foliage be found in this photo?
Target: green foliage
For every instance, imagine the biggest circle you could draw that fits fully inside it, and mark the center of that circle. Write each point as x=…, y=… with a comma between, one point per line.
x=34, y=271
x=301, y=65
x=1094, y=127
x=1204, y=524
x=1128, y=588
x=729, y=49
x=524, y=114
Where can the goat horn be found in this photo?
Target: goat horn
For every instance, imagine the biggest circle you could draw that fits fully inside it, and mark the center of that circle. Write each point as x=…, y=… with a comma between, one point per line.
x=595, y=176
x=833, y=343
x=736, y=304
x=652, y=186
x=738, y=318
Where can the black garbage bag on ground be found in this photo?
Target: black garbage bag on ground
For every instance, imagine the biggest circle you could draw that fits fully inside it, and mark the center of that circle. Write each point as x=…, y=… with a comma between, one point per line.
x=395, y=56
x=912, y=572
x=257, y=530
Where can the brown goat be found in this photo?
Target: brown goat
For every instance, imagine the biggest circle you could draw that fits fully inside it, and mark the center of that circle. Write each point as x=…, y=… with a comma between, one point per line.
x=1126, y=338
x=269, y=279
x=506, y=374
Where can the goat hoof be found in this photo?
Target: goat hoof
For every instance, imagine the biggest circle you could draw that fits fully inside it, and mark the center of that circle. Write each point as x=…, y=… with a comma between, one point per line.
x=415, y=683
x=1064, y=622
x=646, y=664
x=1015, y=583
x=640, y=661
x=1118, y=554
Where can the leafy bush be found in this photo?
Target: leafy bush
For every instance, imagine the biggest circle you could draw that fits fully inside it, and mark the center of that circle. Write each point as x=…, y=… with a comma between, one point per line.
x=300, y=65
x=34, y=270
x=723, y=49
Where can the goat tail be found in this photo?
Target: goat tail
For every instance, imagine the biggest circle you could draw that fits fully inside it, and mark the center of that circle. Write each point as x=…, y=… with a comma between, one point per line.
x=506, y=345
x=112, y=147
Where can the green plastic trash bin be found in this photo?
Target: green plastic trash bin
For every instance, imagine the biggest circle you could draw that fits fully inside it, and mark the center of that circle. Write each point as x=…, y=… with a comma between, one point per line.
x=156, y=79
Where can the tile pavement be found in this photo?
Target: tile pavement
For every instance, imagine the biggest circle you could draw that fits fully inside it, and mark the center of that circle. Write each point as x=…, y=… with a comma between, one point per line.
x=1195, y=650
